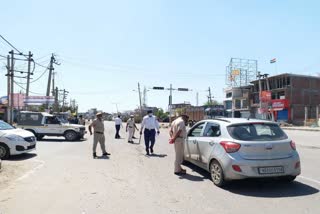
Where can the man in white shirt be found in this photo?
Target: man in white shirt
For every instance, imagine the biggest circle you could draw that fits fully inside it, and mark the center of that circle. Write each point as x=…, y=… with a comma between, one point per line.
x=150, y=126
x=118, y=123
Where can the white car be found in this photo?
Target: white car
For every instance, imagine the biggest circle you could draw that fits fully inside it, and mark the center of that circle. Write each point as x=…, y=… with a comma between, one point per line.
x=15, y=141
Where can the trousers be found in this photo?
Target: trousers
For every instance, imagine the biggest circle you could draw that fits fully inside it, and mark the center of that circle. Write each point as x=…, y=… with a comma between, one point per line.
x=117, y=131
x=99, y=138
x=149, y=136
x=130, y=130
x=179, y=150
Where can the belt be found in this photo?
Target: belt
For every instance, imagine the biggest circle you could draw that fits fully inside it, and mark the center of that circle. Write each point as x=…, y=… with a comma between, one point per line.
x=150, y=129
x=99, y=132
x=130, y=126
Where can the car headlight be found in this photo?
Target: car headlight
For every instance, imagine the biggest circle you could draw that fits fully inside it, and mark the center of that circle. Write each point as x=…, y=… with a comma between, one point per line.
x=14, y=138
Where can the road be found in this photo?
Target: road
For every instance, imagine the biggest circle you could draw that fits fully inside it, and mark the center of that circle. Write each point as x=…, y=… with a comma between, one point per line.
x=62, y=177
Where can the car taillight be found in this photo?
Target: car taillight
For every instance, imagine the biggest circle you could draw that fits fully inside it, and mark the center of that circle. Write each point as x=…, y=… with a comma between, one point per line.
x=293, y=145
x=236, y=168
x=230, y=147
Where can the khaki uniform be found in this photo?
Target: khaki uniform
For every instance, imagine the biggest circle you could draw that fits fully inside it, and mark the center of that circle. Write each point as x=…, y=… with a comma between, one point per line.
x=98, y=135
x=177, y=125
x=131, y=127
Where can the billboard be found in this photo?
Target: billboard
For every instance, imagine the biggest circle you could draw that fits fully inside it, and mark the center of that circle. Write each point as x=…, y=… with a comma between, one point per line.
x=38, y=100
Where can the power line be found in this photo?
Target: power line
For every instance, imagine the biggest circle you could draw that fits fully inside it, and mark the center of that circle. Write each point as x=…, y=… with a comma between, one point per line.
x=25, y=89
x=10, y=44
x=43, y=73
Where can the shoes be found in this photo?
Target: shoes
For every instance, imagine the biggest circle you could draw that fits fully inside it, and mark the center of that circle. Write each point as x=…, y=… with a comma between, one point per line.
x=134, y=137
x=151, y=150
x=182, y=172
x=94, y=155
x=105, y=154
x=147, y=150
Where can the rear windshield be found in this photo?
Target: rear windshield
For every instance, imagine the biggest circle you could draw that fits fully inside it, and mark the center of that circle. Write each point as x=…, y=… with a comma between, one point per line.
x=256, y=132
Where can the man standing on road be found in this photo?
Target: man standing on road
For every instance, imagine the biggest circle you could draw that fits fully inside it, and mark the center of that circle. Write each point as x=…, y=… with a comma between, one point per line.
x=178, y=134
x=118, y=123
x=98, y=136
x=131, y=126
x=150, y=125
x=82, y=121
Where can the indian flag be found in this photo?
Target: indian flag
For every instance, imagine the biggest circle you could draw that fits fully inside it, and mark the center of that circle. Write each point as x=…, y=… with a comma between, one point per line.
x=274, y=60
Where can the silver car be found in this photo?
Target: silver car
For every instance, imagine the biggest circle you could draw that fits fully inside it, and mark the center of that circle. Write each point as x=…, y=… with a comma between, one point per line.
x=238, y=148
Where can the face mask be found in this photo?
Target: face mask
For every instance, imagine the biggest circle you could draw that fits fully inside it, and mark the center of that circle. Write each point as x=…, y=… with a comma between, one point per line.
x=150, y=115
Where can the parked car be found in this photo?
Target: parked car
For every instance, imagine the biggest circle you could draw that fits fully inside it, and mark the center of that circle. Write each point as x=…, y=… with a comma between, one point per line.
x=43, y=124
x=15, y=141
x=238, y=148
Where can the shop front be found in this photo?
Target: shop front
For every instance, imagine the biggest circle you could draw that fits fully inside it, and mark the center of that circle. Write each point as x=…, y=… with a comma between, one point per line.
x=281, y=110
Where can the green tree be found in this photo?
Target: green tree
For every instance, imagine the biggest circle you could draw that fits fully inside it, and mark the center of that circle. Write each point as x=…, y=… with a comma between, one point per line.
x=213, y=102
x=161, y=114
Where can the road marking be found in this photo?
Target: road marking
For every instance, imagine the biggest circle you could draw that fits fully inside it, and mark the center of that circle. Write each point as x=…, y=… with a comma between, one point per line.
x=309, y=179
x=32, y=170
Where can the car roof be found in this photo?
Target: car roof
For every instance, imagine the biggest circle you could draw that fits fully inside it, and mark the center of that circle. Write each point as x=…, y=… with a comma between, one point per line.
x=228, y=120
x=42, y=113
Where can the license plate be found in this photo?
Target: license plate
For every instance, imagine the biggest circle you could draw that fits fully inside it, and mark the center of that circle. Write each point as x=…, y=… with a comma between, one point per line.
x=271, y=170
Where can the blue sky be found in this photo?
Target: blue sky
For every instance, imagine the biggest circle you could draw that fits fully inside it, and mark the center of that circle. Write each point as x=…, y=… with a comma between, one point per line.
x=106, y=47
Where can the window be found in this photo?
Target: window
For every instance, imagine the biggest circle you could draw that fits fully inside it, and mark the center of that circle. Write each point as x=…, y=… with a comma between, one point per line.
x=212, y=130
x=5, y=126
x=196, y=131
x=237, y=104
x=256, y=132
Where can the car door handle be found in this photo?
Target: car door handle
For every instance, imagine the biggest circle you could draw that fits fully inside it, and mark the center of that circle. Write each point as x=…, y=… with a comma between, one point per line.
x=194, y=142
x=211, y=143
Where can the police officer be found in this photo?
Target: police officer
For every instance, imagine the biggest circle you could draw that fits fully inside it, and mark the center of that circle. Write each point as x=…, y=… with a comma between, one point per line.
x=98, y=136
x=150, y=126
x=178, y=134
x=131, y=126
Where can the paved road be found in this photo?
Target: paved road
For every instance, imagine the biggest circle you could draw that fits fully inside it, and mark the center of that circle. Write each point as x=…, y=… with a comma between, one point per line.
x=67, y=180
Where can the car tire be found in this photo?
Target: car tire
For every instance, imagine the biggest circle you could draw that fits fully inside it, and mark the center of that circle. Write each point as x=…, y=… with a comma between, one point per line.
x=216, y=173
x=287, y=179
x=71, y=135
x=4, y=151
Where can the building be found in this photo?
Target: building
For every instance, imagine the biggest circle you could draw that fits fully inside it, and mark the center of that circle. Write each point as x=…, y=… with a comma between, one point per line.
x=291, y=98
x=237, y=101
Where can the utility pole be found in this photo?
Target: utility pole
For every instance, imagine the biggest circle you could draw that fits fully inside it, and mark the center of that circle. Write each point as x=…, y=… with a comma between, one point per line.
x=260, y=89
x=209, y=97
x=56, y=100
x=53, y=85
x=8, y=89
x=52, y=60
x=197, y=99
x=29, y=73
x=139, y=91
x=12, y=89
x=64, y=98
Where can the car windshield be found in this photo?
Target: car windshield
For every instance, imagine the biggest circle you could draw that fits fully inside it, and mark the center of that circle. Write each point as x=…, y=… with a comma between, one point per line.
x=256, y=132
x=5, y=126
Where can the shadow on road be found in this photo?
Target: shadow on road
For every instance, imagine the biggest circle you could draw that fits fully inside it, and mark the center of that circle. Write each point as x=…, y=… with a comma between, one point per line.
x=270, y=188
x=22, y=157
x=265, y=188
x=158, y=155
x=54, y=140
x=102, y=157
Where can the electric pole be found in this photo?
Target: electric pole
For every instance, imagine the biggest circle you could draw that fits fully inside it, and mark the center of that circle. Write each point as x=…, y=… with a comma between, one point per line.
x=139, y=91
x=209, y=97
x=11, y=84
x=56, y=100
x=197, y=99
x=8, y=89
x=29, y=73
x=64, y=98
x=53, y=85
x=52, y=60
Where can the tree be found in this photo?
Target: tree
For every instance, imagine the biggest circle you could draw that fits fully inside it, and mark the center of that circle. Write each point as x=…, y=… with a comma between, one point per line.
x=161, y=114
x=213, y=102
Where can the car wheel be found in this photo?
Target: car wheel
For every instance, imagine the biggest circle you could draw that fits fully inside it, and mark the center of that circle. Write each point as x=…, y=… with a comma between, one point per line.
x=71, y=135
x=216, y=172
x=4, y=151
x=288, y=178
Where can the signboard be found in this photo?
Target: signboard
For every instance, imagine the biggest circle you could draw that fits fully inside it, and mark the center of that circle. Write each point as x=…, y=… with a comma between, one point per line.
x=265, y=96
x=278, y=105
x=38, y=100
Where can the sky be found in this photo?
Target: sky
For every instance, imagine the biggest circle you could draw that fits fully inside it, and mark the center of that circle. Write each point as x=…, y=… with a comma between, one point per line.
x=105, y=48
